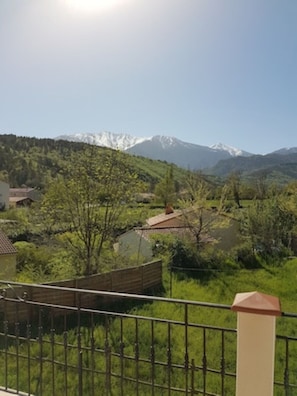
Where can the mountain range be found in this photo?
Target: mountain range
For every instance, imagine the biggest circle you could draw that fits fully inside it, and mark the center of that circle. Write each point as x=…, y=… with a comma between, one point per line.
x=164, y=148
x=220, y=160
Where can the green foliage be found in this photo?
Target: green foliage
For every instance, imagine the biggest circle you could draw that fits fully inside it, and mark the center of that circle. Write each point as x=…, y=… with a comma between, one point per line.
x=89, y=199
x=246, y=256
x=40, y=264
x=268, y=225
x=197, y=217
x=37, y=161
x=165, y=190
x=182, y=257
x=32, y=262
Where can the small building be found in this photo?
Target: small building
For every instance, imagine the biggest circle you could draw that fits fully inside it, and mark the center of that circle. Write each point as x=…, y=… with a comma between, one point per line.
x=139, y=242
x=4, y=195
x=19, y=197
x=8, y=256
x=25, y=192
x=18, y=202
x=164, y=220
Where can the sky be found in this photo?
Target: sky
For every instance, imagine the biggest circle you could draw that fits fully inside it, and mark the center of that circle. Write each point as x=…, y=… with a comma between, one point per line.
x=203, y=71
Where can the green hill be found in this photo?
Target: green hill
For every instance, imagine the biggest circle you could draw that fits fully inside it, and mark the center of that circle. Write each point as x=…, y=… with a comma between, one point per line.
x=277, y=168
x=34, y=162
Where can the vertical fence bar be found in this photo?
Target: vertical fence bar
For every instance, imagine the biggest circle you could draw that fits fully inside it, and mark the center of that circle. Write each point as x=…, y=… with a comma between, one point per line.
x=204, y=362
x=186, y=362
x=193, y=368
x=65, y=344
x=286, y=372
x=223, y=363
x=169, y=358
x=52, y=340
x=136, y=349
x=5, y=329
x=122, y=346
x=79, y=350
x=107, y=357
x=92, y=355
x=17, y=347
x=40, y=341
x=153, y=357
x=28, y=336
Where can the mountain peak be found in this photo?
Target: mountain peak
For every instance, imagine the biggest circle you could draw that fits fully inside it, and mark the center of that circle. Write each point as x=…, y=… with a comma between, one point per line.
x=234, y=152
x=118, y=141
x=159, y=147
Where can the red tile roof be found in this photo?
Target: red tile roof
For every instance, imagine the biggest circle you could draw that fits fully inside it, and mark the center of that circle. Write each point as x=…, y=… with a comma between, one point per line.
x=161, y=218
x=6, y=247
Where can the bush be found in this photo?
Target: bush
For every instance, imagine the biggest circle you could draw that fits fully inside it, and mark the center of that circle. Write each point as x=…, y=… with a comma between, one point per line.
x=246, y=256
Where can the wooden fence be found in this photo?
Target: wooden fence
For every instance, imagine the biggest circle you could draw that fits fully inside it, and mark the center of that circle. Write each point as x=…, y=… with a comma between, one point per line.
x=135, y=280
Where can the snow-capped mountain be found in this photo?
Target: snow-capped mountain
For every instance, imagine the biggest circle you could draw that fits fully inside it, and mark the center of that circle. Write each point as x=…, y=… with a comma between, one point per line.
x=118, y=141
x=164, y=148
x=234, y=152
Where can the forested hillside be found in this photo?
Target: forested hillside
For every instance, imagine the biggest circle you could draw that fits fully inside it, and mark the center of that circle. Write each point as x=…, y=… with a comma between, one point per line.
x=34, y=162
x=277, y=168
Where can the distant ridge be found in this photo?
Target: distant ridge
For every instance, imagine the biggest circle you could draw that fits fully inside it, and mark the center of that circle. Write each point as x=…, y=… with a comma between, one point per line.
x=164, y=148
x=119, y=141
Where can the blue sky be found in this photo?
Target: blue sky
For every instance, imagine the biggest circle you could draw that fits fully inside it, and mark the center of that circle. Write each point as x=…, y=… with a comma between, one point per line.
x=204, y=71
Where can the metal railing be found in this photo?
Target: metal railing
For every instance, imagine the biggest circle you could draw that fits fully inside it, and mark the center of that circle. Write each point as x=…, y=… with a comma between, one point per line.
x=129, y=345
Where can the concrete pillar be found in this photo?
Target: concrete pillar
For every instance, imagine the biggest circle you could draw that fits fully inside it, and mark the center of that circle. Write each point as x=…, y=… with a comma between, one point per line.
x=256, y=317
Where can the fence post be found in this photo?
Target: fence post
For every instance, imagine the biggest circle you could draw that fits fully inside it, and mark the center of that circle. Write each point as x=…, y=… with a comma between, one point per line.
x=256, y=317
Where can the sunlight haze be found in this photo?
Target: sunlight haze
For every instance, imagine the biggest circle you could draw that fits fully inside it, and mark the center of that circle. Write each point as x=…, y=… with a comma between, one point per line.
x=93, y=5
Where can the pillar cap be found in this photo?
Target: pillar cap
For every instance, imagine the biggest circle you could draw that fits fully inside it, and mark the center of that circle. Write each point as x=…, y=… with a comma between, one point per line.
x=257, y=303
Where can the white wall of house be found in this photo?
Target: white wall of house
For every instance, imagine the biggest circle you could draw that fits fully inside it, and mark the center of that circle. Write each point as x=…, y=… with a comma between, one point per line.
x=132, y=244
x=4, y=195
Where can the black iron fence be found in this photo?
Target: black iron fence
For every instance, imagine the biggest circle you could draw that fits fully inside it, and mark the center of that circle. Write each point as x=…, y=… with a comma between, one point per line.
x=129, y=345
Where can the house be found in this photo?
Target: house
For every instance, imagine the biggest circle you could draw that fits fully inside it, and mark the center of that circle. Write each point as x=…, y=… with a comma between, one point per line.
x=8, y=255
x=166, y=220
x=17, y=202
x=23, y=196
x=138, y=242
x=4, y=195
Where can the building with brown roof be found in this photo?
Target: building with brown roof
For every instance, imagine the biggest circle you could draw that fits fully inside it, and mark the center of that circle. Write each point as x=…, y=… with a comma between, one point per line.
x=164, y=220
x=23, y=196
x=139, y=241
x=8, y=255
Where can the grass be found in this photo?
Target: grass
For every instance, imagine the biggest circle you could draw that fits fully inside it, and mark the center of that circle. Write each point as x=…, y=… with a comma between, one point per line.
x=132, y=332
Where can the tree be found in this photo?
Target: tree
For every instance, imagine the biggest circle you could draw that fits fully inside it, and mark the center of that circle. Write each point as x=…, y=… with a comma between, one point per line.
x=165, y=189
x=234, y=185
x=268, y=225
x=197, y=216
x=87, y=200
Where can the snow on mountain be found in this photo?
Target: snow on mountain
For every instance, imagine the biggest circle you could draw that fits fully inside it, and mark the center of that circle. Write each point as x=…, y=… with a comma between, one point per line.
x=119, y=141
x=234, y=152
x=164, y=148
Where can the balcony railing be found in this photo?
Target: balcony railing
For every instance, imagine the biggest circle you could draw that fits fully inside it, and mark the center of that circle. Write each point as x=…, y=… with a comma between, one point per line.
x=51, y=348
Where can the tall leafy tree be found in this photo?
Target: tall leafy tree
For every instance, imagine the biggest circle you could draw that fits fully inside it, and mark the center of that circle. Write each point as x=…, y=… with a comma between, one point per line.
x=268, y=224
x=234, y=186
x=165, y=190
x=87, y=200
x=197, y=216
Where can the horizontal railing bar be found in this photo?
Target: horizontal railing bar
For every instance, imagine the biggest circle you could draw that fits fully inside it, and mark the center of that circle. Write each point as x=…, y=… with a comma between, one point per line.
x=289, y=338
x=117, y=314
x=117, y=294
x=126, y=295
